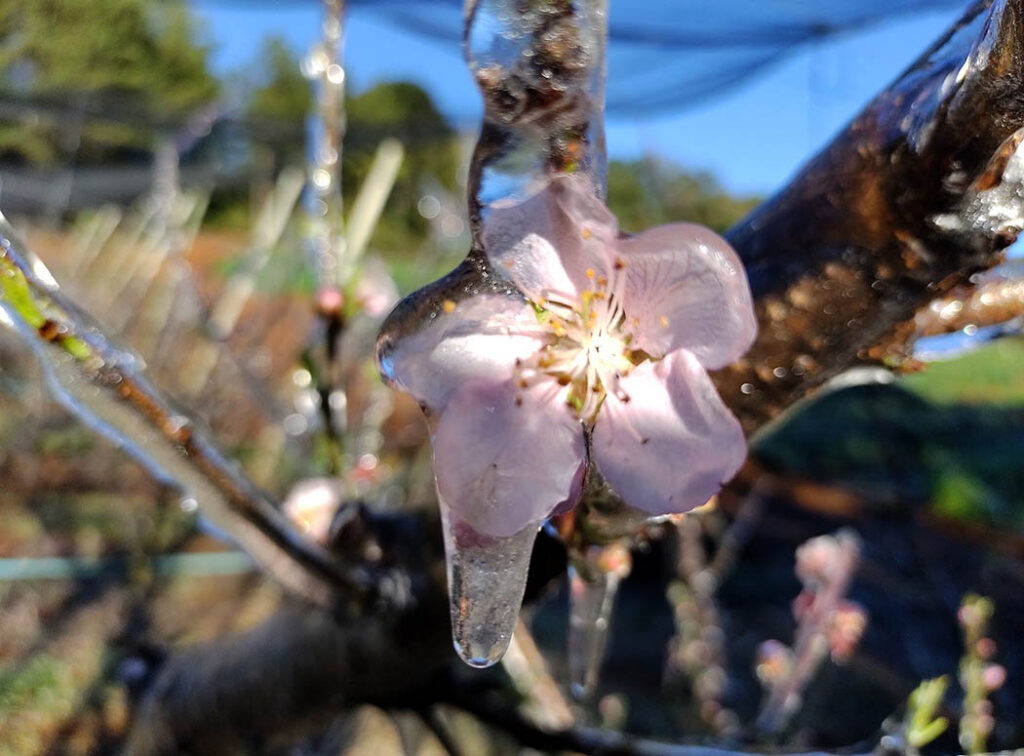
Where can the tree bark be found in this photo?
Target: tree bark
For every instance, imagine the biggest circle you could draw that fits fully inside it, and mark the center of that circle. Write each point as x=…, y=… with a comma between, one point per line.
x=921, y=190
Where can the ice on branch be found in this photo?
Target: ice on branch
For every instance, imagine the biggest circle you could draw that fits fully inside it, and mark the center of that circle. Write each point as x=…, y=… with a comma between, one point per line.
x=560, y=347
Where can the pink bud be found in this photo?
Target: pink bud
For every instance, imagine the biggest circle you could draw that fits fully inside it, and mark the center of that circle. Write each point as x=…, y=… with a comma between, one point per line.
x=848, y=624
x=993, y=677
x=985, y=648
x=815, y=560
x=329, y=302
x=774, y=662
x=802, y=604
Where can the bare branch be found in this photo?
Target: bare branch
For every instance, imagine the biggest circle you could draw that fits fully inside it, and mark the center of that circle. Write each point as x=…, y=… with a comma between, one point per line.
x=989, y=303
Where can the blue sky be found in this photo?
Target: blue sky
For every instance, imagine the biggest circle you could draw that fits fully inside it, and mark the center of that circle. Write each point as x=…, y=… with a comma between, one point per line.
x=752, y=138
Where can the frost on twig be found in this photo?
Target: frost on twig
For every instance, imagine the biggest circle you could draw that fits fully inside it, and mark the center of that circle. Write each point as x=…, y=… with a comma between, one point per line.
x=923, y=191
x=105, y=386
x=540, y=68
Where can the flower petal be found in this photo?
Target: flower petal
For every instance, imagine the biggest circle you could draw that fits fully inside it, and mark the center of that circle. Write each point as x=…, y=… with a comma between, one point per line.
x=546, y=244
x=686, y=289
x=672, y=445
x=479, y=338
x=505, y=457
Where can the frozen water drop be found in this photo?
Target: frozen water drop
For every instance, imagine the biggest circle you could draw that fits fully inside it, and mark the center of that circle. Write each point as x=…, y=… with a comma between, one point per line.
x=486, y=582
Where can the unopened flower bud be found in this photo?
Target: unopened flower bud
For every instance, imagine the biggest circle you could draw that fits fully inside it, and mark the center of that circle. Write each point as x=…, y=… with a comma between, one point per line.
x=993, y=677
x=329, y=302
x=774, y=662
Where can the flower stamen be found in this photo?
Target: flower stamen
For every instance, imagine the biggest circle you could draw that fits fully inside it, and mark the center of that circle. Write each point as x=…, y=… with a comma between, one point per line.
x=588, y=352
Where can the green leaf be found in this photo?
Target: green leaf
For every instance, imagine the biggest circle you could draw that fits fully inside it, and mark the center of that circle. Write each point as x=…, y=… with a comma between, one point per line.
x=16, y=291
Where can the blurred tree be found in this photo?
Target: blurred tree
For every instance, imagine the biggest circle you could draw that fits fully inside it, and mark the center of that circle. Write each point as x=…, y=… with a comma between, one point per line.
x=284, y=94
x=131, y=65
x=406, y=112
x=649, y=192
x=280, y=103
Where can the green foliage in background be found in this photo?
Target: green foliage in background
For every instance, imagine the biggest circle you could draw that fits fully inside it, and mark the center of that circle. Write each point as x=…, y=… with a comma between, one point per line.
x=139, y=59
x=406, y=112
x=650, y=192
x=282, y=93
x=992, y=373
x=282, y=100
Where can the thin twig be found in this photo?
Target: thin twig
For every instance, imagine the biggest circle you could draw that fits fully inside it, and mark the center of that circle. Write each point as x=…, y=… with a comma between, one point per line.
x=106, y=388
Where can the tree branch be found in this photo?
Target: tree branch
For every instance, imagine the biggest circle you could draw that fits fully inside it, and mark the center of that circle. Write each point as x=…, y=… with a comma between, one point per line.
x=106, y=388
x=910, y=200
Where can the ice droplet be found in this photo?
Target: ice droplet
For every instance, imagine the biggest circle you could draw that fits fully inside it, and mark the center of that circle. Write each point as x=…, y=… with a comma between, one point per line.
x=593, y=582
x=486, y=582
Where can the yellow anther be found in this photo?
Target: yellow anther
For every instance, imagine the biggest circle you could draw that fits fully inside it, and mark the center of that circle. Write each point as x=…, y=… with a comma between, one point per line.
x=591, y=273
x=663, y=320
x=586, y=233
x=602, y=280
x=449, y=306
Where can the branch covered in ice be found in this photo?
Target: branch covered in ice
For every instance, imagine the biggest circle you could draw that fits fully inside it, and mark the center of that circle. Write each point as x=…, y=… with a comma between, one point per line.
x=923, y=189
x=105, y=386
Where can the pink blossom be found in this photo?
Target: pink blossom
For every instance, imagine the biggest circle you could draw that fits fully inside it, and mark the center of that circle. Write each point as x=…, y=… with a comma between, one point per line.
x=576, y=342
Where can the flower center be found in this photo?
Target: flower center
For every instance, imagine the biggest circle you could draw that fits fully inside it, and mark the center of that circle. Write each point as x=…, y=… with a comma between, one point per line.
x=589, y=347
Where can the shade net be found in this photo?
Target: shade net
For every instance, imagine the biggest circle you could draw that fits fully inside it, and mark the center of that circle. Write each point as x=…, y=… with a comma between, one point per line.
x=670, y=54
x=663, y=55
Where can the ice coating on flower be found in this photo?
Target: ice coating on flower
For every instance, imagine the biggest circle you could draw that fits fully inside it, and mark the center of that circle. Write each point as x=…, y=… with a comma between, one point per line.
x=672, y=446
x=594, y=334
x=525, y=451
x=547, y=243
x=478, y=339
x=686, y=289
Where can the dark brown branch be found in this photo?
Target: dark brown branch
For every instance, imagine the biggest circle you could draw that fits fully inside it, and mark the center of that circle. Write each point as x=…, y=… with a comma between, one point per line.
x=907, y=202
x=295, y=672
